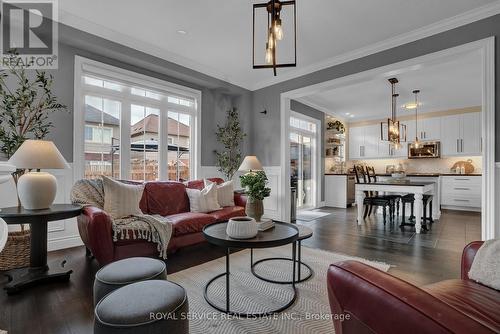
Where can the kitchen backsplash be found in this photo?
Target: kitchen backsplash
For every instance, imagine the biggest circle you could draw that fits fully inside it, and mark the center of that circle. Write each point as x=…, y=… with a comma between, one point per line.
x=442, y=165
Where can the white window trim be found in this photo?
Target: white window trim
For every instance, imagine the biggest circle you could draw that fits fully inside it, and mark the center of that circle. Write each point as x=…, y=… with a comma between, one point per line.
x=85, y=65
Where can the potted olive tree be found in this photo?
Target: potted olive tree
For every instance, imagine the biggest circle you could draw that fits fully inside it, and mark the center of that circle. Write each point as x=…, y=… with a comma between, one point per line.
x=255, y=184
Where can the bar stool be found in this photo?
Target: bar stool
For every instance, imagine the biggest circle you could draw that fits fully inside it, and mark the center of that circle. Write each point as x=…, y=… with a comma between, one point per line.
x=426, y=201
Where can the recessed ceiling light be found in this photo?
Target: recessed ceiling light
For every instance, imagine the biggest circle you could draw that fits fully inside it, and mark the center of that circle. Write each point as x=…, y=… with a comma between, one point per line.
x=351, y=116
x=411, y=105
x=182, y=32
x=347, y=113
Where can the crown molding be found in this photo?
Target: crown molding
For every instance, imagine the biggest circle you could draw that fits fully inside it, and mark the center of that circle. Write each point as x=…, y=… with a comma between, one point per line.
x=429, y=30
x=412, y=36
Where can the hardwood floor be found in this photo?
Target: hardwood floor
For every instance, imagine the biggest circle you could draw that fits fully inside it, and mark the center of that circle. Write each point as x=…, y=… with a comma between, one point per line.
x=421, y=259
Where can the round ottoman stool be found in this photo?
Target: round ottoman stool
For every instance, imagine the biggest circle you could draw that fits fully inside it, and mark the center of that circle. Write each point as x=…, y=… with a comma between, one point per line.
x=126, y=271
x=151, y=307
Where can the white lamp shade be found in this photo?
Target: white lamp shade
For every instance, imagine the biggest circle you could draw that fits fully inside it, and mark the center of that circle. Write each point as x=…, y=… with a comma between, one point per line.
x=38, y=154
x=250, y=163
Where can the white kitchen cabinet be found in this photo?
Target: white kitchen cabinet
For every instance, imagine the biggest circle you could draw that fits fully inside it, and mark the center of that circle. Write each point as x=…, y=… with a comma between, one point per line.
x=372, y=138
x=356, y=142
x=471, y=135
x=363, y=142
x=429, y=129
x=339, y=190
x=461, y=192
x=461, y=134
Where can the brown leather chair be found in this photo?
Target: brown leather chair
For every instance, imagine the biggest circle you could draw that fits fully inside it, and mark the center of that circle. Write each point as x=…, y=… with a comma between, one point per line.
x=377, y=302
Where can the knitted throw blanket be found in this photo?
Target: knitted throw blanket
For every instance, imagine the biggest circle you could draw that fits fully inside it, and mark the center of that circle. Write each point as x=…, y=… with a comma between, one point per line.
x=154, y=228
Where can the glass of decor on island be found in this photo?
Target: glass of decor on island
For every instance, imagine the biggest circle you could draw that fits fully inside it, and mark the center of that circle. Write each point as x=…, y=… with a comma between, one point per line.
x=255, y=183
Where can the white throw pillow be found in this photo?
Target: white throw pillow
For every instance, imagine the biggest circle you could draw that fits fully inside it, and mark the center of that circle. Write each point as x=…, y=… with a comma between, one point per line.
x=225, y=192
x=120, y=199
x=203, y=200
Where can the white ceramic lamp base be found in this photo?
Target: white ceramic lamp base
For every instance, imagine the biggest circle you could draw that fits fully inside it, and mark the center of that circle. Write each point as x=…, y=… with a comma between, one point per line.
x=37, y=190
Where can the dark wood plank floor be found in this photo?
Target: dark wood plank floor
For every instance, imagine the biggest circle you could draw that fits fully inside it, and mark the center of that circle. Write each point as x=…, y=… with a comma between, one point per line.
x=420, y=259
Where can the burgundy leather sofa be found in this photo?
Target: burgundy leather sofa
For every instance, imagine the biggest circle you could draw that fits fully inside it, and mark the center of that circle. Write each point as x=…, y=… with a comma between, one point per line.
x=168, y=199
x=380, y=303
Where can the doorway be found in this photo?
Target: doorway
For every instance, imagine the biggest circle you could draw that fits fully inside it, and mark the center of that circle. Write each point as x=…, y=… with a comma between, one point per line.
x=303, y=148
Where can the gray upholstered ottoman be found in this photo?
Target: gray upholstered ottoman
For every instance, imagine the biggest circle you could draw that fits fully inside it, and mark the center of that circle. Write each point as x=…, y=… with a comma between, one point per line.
x=151, y=307
x=120, y=273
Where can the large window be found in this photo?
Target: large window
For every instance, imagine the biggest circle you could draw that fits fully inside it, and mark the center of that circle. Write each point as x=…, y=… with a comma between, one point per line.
x=133, y=127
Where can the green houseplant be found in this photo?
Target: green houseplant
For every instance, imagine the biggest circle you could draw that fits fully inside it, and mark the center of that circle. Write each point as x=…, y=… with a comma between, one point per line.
x=26, y=101
x=230, y=136
x=255, y=184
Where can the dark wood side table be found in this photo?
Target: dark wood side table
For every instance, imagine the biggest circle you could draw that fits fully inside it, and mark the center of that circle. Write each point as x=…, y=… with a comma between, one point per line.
x=38, y=271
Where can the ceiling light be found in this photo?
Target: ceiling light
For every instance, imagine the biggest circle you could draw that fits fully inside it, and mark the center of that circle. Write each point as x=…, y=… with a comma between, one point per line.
x=416, y=144
x=393, y=131
x=351, y=116
x=182, y=32
x=274, y=33
x=347, y=113
x=412, y=105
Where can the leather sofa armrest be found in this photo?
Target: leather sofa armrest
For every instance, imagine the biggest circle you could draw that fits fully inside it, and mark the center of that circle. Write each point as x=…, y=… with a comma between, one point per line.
x=468, y=255
x=95, y=227
x=240, y=199
x=380, y=303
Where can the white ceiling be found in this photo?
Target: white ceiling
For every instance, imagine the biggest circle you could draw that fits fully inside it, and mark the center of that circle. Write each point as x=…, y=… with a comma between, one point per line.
x=219, y=32
x=449, y=85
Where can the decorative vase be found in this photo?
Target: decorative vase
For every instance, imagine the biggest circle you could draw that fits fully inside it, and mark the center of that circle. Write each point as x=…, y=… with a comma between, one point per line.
x=242, y=228
x=37, y=190
x=254, y=208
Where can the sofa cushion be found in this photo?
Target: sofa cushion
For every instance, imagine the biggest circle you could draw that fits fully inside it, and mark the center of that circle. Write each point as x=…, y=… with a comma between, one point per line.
x=227, y=212
x=166, y=198
x=200, y=184
x=189, y=222
x=204, y=200
x=120, y=199
x=475, y=300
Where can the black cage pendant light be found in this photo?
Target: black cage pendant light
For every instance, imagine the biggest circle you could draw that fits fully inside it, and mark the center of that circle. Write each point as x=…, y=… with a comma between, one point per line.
x=393, y=131
x=271, y=27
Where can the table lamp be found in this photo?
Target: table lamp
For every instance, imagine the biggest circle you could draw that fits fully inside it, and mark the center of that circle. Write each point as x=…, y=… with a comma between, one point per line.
x=250, y=164
x=37, y=190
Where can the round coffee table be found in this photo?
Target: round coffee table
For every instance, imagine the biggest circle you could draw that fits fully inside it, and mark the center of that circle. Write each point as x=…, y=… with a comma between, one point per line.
x=304, y=233
x=281, y=234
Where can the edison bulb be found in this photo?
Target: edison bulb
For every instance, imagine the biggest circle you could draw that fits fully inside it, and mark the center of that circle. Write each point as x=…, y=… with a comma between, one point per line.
x=278, y=30
x=269, y=56
x=270, y=41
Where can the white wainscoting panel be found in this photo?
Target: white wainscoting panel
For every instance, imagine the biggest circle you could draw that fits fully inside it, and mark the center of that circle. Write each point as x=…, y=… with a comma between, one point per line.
x=62, y=233
x=497, y=196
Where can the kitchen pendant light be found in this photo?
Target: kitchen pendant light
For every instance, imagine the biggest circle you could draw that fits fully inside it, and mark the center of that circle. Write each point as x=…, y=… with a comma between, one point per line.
x=416, y=144
x=393, y=131
x=272, y=12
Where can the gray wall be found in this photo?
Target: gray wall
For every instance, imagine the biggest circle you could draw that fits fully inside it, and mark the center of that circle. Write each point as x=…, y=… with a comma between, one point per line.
x=217, y=95
x=319, y=115
x=267, y=129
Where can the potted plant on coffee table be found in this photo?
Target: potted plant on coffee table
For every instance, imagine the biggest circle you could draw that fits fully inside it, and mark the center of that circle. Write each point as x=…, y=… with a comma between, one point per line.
x=255, y=184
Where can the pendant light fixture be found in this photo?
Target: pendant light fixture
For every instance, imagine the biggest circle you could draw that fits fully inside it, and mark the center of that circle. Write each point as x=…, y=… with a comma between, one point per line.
x=274, y=32
x=393, y=131
x=416, y=143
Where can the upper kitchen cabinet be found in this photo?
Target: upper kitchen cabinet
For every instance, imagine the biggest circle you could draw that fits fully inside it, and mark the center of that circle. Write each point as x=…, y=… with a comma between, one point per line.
x=364, y=142
x=461, y=134
x=429, y=129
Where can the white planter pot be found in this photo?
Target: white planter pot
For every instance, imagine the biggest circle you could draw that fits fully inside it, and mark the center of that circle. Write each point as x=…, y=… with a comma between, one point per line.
x=242, y=228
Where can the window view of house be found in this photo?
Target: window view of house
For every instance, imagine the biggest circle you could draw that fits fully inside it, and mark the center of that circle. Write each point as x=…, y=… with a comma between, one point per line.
x=103, y=124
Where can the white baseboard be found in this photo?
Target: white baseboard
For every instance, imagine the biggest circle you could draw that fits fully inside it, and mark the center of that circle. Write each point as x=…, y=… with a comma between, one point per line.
x=460, y=208
x=64, y=242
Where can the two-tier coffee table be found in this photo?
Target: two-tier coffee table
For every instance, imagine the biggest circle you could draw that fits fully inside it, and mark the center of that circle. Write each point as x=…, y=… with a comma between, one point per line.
x=281, y=234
